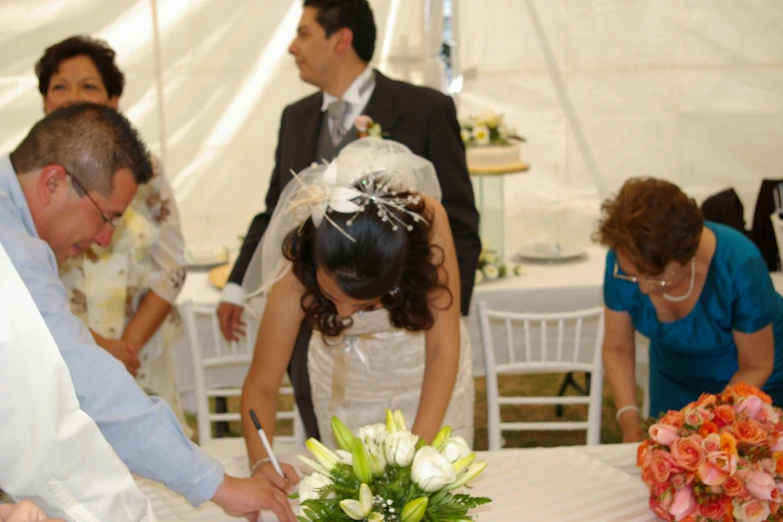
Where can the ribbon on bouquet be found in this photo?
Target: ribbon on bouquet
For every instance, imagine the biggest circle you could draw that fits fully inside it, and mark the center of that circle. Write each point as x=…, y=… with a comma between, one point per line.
x=351, y=345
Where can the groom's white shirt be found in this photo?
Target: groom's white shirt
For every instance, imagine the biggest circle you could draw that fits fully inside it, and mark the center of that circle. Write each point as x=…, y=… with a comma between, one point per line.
x=51, y=452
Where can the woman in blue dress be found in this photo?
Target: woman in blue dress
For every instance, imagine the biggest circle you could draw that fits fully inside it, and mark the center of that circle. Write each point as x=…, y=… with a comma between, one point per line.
x=701, y=293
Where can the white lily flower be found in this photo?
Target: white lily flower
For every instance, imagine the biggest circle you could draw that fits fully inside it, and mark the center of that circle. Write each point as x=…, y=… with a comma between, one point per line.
x=431, y=471
x=346, y=457
x=309, y=487
x=358, y=509
x=400, y=447
x=455, y=448
x=373, y=432
x=466, y=135
x=324, y=455
x=467, y=475
x=519, y=270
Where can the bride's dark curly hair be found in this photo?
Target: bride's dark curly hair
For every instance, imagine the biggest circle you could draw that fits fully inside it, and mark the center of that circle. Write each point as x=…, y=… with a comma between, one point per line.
x=399, y=265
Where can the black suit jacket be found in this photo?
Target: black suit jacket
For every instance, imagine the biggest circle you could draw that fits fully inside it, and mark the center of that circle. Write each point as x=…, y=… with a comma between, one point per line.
x=422, y=119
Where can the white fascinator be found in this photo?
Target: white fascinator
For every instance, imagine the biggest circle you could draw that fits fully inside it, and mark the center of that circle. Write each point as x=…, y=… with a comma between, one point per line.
x=386, y=166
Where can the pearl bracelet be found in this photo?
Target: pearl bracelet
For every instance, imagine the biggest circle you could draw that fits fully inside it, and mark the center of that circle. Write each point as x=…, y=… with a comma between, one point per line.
x=626, y=408
x=257, y=464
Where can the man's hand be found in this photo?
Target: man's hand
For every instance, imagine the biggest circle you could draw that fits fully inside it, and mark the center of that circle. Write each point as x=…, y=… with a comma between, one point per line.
x=24, y=511
x=231, y=324
x=246, y=497
x=267, y=471
x=125, y=351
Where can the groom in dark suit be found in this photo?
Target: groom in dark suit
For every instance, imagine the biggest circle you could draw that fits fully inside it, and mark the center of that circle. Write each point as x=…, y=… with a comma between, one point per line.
x=334, y=44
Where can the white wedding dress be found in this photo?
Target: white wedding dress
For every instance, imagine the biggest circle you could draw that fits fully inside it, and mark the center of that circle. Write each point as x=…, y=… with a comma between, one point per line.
x=376, y=366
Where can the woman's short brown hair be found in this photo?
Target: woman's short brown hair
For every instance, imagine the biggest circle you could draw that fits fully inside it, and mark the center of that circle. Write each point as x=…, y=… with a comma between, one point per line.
x=652, y=222
x=97, y=50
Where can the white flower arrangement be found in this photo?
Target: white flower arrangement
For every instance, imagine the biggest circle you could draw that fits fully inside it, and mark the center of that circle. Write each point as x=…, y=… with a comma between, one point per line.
x=384, y=473
x=486, y=128
x=490, y=268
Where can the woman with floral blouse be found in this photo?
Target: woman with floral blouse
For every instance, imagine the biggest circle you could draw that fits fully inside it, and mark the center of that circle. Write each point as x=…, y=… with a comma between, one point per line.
x=126, y=292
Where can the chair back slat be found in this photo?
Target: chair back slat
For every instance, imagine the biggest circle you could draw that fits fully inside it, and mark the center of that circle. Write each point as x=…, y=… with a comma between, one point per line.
x=221, y=356
x=558, y=341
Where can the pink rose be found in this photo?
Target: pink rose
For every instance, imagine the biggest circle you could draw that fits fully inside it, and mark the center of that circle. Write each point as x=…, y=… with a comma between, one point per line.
x=767, y=413
x=687, y=452
x=684, y=504
x=362, y=123
x=716, y=468
x=679, y=480
x=761, y=485
x=673, y=418
x=663, y=434
x=693, y=418
x=776, y=444
x=751, y=511
x=749, y=405
x=711, y=443
x=658, y=510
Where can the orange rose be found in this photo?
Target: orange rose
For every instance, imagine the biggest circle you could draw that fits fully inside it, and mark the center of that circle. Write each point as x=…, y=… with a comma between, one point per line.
x=728, y=444
x=733, y=486
x=642, y=451
x=673, y=418
x=712, y=510
x=778, y=462
x=743, y=390
x=749, y=432
x=687, y=452
x=724, y=414
x=663, y=465
x=707, y=428
x=706, y=399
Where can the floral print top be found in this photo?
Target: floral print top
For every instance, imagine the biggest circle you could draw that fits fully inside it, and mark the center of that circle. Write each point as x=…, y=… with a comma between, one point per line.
x=106, y=284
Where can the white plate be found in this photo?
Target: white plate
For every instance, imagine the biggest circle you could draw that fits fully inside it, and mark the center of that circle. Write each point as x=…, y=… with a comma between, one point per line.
x=550, y=253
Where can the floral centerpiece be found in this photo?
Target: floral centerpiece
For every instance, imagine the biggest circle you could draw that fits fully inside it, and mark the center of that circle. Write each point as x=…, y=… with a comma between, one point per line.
x=491, y=267
x=487, y=128
x=718, y=459
x=384, y=473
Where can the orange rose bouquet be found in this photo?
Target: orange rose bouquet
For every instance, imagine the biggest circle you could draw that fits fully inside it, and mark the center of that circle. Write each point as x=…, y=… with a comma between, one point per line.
x=719, y=459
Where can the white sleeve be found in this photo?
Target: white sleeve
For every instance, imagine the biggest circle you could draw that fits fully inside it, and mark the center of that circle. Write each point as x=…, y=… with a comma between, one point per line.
x=51, y=452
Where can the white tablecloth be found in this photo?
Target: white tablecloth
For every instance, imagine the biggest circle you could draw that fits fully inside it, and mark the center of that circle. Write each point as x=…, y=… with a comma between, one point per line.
x=598, y=483
x=543, y=288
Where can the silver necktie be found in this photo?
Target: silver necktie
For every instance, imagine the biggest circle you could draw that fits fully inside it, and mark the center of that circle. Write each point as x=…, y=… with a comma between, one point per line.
x=336, y=112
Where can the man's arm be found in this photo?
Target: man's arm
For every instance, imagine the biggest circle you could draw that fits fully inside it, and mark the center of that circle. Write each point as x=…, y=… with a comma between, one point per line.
x=143, y=431
x=51, y=452
x=447, y=153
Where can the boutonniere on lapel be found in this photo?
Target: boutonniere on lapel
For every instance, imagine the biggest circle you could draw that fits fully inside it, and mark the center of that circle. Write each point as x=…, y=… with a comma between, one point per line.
x=366, y=127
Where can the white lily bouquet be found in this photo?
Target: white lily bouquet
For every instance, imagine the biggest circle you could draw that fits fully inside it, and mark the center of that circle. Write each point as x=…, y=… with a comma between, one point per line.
x=487, y=128
x=384, y=473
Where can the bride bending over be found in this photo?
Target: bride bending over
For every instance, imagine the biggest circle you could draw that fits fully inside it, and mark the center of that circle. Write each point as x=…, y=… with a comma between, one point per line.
x=368, y=261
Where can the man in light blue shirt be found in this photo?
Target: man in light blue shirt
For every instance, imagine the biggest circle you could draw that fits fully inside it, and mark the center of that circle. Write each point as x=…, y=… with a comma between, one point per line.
x=62, y=189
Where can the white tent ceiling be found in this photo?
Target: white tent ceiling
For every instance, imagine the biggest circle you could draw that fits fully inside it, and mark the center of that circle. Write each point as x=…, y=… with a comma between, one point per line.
x=689, y=90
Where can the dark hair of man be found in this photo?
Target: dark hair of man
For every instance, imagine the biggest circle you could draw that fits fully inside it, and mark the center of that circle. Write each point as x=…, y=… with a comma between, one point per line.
x=399, y=266
x=97, y=50
x=356, y=15
x=91, y=141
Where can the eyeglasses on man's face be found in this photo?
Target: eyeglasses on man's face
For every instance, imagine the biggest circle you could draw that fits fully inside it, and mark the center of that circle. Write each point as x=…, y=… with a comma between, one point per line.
x=649, y=281
x=113, y=222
